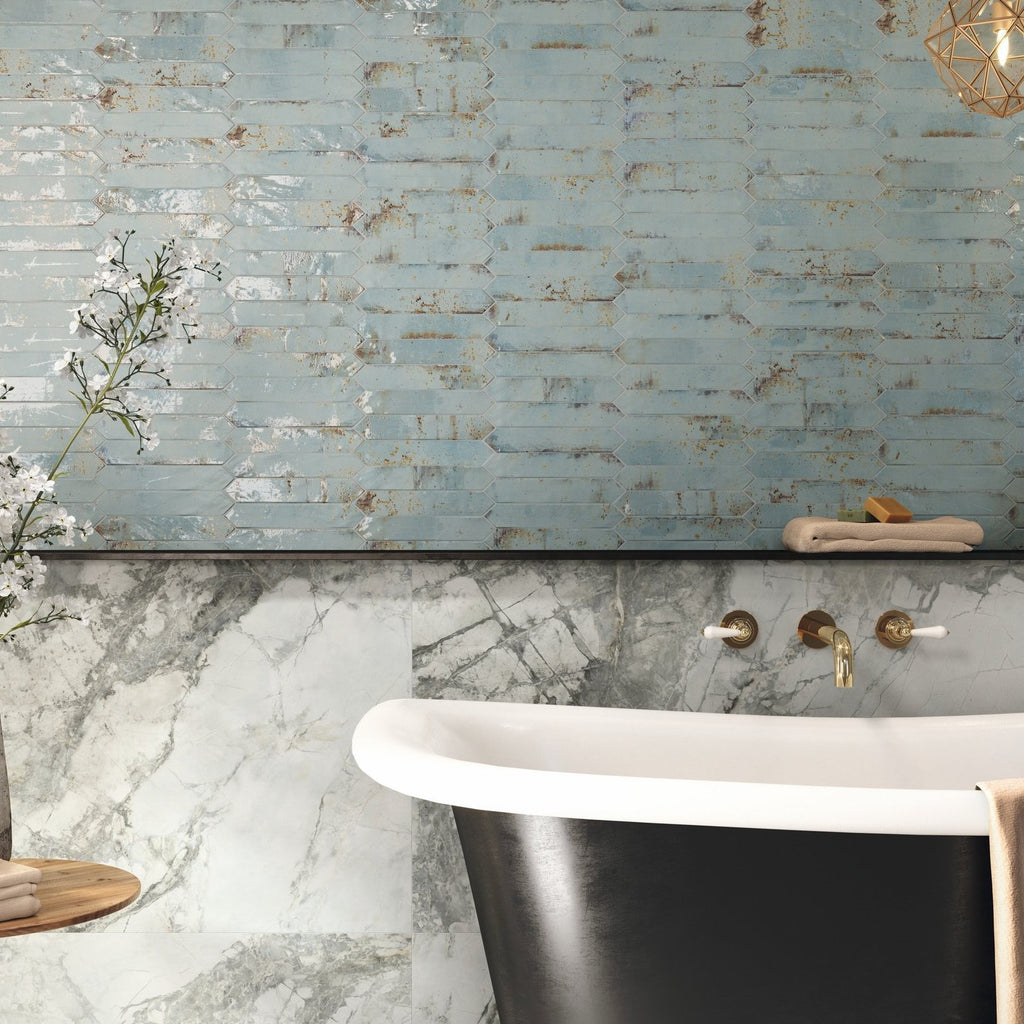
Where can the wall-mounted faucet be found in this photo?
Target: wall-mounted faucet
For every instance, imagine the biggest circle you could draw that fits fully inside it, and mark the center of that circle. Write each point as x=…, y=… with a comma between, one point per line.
x=818, y=629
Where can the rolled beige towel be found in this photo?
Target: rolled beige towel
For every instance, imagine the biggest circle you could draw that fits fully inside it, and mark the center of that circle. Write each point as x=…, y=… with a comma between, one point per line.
x=1006, y=853
x=818, y=534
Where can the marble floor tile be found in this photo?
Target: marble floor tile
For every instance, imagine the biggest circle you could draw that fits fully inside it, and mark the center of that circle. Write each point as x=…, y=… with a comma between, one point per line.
x=450, y=983
x=154, y=978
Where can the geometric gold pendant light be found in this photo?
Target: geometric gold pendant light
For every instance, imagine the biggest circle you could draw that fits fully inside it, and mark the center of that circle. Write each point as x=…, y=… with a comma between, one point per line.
x=977, y=47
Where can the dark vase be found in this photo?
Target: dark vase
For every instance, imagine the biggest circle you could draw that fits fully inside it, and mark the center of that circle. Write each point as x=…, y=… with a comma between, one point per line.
x=5, y=805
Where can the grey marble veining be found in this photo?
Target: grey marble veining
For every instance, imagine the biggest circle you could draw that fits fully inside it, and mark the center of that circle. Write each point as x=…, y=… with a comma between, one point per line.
x=191, y=978
x=196, y=729
x=527, y=631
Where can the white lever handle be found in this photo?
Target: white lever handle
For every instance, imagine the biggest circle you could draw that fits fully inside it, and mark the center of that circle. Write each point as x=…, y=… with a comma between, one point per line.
x=934, y=632
x=737, y=629
x=895, y=629
x=721, y=632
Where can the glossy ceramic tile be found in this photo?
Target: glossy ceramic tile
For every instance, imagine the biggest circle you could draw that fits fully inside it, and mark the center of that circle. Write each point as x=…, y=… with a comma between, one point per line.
x=527, y=243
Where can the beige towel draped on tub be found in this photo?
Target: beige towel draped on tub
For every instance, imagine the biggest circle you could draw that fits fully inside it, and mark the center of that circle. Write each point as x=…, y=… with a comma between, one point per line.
x=1006, y=843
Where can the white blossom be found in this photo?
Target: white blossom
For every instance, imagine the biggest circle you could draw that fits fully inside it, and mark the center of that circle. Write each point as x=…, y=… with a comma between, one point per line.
x=129, y=315
x=63, y=365
x=77, y=328
x=112, y=278
x=110, y=249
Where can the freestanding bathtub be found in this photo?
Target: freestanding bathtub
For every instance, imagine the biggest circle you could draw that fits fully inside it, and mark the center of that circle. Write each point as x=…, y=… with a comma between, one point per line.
x=647, y=867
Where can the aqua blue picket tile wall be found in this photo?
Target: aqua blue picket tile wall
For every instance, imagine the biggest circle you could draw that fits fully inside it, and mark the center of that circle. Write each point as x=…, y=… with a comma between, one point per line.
x=499, y=274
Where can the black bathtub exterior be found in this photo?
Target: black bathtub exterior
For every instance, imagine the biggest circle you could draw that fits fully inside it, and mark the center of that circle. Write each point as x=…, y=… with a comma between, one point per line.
x=599, y=922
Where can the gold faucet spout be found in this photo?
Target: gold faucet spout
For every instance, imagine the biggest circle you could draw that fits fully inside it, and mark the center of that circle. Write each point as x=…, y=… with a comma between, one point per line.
x=818, y=629
x=842, y=654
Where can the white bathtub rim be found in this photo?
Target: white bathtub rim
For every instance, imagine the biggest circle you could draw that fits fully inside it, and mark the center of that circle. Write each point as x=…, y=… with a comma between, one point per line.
x=403, y=765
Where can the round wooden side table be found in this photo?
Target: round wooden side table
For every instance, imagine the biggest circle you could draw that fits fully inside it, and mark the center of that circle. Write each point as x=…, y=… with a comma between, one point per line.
x=73, y=891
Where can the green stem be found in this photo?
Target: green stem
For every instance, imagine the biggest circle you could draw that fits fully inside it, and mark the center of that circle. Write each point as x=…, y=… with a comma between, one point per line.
x=101, y=395
x=35, y=619
x=95, y=407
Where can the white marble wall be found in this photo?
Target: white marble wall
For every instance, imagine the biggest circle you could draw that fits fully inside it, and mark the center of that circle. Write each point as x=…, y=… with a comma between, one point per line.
x=196, y=731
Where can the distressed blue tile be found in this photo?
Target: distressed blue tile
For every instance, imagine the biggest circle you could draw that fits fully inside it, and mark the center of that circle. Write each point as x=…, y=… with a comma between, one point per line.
x=689, y=532
x=554, y=465
x=946, y=401
x=806, y=465
x=945, y=452
x=853, y=163
x=453, y=479
x=970, y=481
x=424, y=399
x=949, y=351
x=554, y=364
x=695, y=402
x=683, y=503
x=815, y=263
x=831, y=112
x=812, y=82
x=443, y=22
x=951, y=426
x=427, y=453
x=467, y=531
x=645, y=233
x=975, y=377
x=721, y=477
x=434, y=504
x=811, y=140
x=812, y=439
x=569, y=516
x=943, y=170
x=957, y=325
x=575, y=490
x=801, y=186
x=795, y=290
x=554, y=387
x=928, y=250
x=559, y=439
x=697, y=455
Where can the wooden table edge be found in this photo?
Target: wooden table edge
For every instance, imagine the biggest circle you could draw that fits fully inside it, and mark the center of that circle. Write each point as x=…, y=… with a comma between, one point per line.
x=119, y=888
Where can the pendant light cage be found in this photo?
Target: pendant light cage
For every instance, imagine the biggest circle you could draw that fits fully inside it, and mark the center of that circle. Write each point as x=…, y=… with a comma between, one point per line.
x=977, y=47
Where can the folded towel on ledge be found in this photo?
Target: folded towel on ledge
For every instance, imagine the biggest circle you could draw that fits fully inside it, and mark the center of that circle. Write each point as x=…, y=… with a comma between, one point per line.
x=1006, y=853
x=13, y=892
x=20, y=906
x=817, y=534
x=17, y=874
x=17, y=890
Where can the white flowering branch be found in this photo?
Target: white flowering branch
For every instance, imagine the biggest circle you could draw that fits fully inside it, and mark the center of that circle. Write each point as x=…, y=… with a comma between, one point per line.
x=129, y=314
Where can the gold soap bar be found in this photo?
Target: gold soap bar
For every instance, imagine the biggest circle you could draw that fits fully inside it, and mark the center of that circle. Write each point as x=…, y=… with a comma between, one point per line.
x=888, y=510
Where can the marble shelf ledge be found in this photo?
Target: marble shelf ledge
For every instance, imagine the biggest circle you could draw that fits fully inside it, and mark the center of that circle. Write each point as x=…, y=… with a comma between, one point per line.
x=630, y=554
